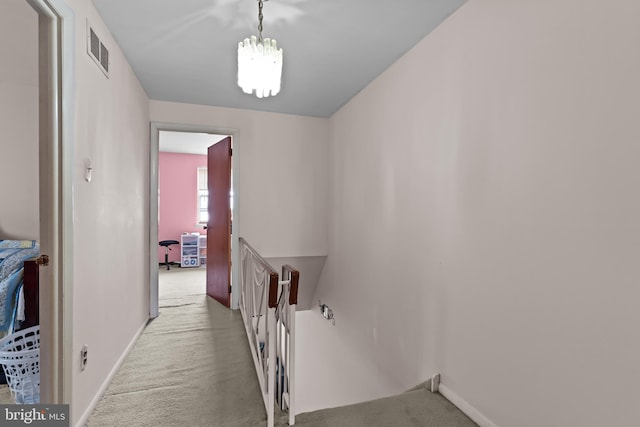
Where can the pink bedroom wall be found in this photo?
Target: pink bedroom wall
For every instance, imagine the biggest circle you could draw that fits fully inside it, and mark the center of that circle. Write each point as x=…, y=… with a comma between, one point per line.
x=177, y=183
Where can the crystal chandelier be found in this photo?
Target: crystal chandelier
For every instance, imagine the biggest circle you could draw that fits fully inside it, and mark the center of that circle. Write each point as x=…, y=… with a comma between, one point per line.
x=259, y=63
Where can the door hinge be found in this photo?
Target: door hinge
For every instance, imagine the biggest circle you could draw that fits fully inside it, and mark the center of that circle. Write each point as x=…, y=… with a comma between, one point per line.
x=229, y=288
x=42, y=260
x=230, y=151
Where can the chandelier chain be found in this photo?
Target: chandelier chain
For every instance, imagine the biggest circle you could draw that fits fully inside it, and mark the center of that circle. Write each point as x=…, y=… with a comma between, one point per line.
x=260, y=20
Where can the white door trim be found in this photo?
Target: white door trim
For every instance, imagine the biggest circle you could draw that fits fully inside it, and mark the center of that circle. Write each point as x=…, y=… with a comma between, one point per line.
x=56, y=85
x=156, y=127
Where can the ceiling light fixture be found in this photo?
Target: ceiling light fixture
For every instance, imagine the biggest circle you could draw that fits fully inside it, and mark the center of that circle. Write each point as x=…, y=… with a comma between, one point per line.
x=259, y=63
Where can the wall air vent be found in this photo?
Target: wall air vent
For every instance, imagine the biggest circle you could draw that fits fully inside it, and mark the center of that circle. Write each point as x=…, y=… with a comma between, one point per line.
x=97, y=50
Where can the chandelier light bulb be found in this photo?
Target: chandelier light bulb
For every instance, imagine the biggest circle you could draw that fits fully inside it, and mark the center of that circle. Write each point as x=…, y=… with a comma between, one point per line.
x=259, y=63
x=259, y=67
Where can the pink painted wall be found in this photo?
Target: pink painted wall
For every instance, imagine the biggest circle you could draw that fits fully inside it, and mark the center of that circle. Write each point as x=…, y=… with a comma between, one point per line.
x=177, y=181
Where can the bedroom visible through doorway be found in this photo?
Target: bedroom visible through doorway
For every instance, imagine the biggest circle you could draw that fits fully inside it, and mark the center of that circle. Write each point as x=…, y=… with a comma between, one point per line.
x=182, y=208
x=34, y=104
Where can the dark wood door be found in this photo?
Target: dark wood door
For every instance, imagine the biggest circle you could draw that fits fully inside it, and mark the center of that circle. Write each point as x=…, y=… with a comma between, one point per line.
x=219, y=224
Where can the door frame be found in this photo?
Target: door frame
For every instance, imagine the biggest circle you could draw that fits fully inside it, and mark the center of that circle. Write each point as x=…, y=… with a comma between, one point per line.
x=56, y=64
x=155, y=129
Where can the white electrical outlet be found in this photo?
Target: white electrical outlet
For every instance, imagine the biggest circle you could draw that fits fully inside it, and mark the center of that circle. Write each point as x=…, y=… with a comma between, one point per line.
x=84, y=355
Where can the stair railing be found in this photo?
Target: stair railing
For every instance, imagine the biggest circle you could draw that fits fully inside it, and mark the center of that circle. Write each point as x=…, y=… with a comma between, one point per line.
x=268, y=312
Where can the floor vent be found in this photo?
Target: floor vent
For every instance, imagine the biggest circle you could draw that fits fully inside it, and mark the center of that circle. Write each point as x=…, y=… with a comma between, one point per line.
x=97, y=50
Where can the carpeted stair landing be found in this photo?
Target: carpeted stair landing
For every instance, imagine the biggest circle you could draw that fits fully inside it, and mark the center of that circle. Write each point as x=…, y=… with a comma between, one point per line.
x=416, y=408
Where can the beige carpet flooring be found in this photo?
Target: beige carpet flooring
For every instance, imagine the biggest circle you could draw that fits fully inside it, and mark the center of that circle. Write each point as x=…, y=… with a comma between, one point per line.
x=5, y=395
x=416, y=408
x=192, y=367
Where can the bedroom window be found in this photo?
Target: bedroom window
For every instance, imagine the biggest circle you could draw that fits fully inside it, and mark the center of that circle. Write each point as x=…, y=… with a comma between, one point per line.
x=203, y=196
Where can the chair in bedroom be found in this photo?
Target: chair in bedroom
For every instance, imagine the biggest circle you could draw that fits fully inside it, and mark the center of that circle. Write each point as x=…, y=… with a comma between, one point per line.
x=167, y=247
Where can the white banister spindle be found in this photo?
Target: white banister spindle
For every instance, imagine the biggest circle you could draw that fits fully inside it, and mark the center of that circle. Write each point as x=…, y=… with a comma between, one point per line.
x=291, y=392
x=271, y=331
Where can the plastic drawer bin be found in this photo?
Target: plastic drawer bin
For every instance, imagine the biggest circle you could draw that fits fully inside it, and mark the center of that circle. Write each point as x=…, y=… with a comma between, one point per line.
x=20, y=359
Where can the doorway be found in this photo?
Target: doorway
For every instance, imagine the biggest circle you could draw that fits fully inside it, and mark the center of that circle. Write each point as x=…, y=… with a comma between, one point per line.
x=50, y=95
x=162, y=135
x=19, y=209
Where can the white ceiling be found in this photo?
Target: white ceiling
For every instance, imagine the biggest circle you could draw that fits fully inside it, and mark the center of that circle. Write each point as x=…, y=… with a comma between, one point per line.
x=186, y=50
x=187, y=142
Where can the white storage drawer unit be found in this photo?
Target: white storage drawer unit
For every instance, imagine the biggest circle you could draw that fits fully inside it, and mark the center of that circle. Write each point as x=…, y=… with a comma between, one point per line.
x=190, y=250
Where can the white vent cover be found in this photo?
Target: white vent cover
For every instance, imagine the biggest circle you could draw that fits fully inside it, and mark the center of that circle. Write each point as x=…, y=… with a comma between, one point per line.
x=97, y=50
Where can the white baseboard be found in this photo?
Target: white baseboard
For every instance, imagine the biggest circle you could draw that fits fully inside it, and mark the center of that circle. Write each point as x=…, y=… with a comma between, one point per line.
x=471, y=412
x=94, y=402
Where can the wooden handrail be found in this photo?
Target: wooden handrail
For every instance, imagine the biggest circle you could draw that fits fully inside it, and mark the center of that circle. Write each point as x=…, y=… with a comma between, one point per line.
x=288, y=271
x=273, y=275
